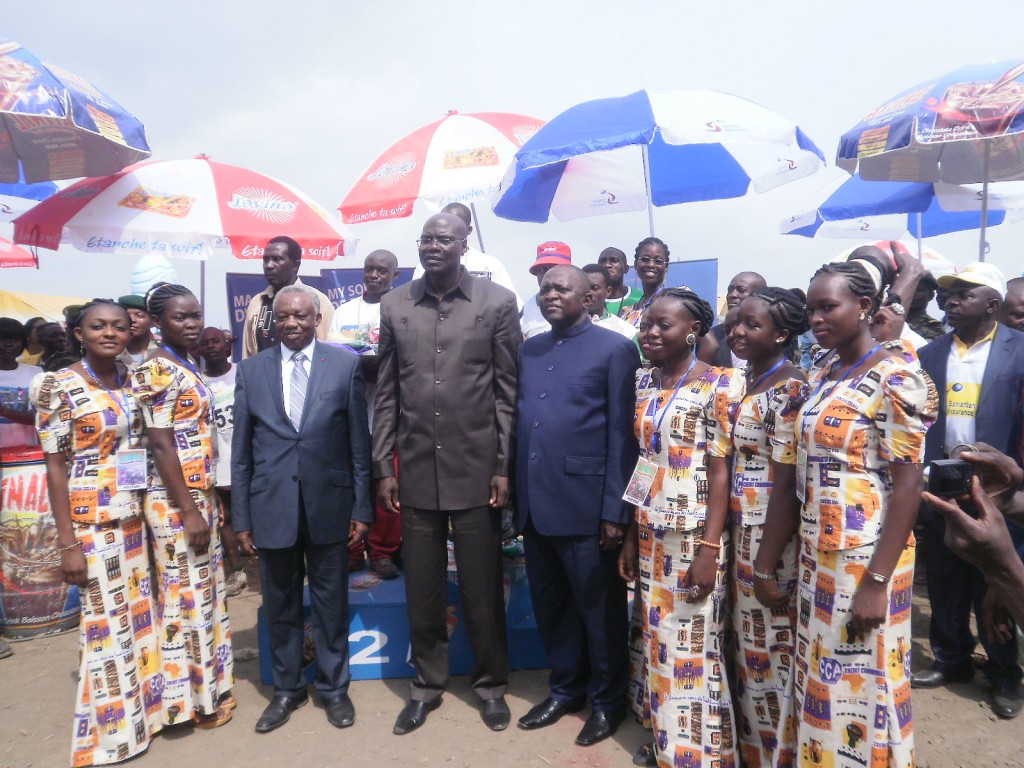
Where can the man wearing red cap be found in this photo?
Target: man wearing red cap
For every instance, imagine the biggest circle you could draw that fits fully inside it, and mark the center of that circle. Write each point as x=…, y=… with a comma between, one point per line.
x=550, y=254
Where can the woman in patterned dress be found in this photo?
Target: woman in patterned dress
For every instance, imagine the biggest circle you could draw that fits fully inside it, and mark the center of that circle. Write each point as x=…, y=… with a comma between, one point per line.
x=86, y=417
x=860, y=443
x=678, y=544
x=182, y=515
x=768, y=323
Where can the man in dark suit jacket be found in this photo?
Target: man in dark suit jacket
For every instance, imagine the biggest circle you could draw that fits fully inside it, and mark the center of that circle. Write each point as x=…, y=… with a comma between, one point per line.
x=957, y=365
x=575, y=453
x=446, y=401
x=300, y=473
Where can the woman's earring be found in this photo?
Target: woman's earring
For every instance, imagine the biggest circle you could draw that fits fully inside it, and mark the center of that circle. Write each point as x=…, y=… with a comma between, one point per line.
x=863, y=315
x=691, y=339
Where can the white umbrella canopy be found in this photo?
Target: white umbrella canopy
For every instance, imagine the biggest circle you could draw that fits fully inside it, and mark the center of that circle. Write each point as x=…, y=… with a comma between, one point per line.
x=652, y=148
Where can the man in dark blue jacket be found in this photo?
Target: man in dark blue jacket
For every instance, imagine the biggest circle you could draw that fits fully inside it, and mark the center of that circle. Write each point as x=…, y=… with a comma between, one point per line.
x=300, y=473
x=575, y=453
x=977, y=369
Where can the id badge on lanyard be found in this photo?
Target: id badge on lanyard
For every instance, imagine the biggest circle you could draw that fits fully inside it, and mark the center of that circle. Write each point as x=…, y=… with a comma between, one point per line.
x=131, y=469
x=801, y=473
x=639, y=486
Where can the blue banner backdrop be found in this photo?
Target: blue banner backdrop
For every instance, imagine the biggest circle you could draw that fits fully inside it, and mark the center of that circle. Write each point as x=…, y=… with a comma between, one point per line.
x=701, y=276
x=340, y=285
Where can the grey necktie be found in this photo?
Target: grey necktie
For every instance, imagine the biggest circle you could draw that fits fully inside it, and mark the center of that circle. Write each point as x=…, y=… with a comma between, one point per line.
x=297, y=395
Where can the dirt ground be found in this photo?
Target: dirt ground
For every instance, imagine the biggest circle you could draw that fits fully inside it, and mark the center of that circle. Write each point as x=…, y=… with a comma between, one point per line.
x=954, y=726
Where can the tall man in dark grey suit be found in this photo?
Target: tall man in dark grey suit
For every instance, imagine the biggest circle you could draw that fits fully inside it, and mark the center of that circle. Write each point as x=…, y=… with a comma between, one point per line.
x=446, y=396
x=575, y=451
x=300, y=472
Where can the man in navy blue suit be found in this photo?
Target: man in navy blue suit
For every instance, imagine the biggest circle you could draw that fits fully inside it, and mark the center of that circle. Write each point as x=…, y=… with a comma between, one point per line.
x=977, y=369
x=575, y=453
x=300, y=473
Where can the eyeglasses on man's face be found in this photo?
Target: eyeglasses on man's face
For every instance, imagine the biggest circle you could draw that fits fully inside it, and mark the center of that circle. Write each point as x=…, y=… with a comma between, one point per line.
x=443, y=240
x=651, y=260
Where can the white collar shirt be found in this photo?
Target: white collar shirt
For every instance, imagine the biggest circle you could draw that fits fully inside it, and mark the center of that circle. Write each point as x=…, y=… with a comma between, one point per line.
x=287, y=364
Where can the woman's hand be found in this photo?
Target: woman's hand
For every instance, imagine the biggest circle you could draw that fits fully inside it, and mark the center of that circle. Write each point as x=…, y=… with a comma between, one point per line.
x=870, y=607
x=768, y=593
x=629, y=555
x=197, y=532
x=72, y=565
x=700, y=576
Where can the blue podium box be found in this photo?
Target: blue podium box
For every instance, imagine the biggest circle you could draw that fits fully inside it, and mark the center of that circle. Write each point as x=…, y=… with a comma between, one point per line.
x=379, y=629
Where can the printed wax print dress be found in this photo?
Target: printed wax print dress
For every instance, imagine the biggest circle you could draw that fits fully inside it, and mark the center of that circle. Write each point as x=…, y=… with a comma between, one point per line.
x=764, y=431
x=686, y=687
x=191, y=615
x=117, y=707
x=853, y=696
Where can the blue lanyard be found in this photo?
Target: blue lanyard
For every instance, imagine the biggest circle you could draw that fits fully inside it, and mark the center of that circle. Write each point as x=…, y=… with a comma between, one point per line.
x=750, y=393
x=186, y=363
x=648, y=303
x=655, y=421
x=122, y=406
x=824, y=380
x=761, y=379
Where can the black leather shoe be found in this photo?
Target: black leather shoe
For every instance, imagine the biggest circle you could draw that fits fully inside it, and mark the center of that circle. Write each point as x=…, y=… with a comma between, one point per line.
x=599, y=726
x=495, y=713
x=1006, y=700
x=278, y=711
x=548, y=712
x=414, y=714
x=933, y=678
x=341, y=713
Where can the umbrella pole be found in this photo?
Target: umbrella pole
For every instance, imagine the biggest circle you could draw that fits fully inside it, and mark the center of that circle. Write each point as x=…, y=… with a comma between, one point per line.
x=476, y=226
x=920, y=247
x=984, y=206
x=647, y=187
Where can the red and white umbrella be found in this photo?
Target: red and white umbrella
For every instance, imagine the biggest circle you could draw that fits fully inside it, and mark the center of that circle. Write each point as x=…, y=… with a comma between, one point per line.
x=12, y=255
x=182, y=209
x=458, y=159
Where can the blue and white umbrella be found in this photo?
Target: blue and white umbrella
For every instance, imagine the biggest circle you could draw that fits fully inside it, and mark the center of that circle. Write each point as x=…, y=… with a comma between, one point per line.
x=620, y=154
x=887, y=210
x=963, y=127
x=57, y=125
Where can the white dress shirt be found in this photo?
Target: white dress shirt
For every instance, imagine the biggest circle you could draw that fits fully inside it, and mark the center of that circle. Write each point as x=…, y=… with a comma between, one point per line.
x=286, y=368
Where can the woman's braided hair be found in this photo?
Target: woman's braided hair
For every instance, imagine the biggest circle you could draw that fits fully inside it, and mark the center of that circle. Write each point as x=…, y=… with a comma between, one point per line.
x=694, y=304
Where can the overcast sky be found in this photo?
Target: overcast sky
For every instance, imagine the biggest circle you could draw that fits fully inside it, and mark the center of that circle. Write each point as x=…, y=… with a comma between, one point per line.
x=312, y=92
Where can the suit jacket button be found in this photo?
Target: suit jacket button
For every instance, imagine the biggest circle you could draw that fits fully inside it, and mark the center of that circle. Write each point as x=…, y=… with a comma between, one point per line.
x=295, y=477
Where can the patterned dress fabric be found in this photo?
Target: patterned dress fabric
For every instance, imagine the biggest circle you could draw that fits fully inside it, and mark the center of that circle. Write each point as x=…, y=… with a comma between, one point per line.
x=687, y=690
x=191, y=617
x=117, y=707
x=764, y=431
x=853, y=696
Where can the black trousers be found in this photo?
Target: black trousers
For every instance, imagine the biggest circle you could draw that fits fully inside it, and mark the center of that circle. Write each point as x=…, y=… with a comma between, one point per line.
x=955, y=589
x=579, y=600
x=281, y=575
x=477, y=535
